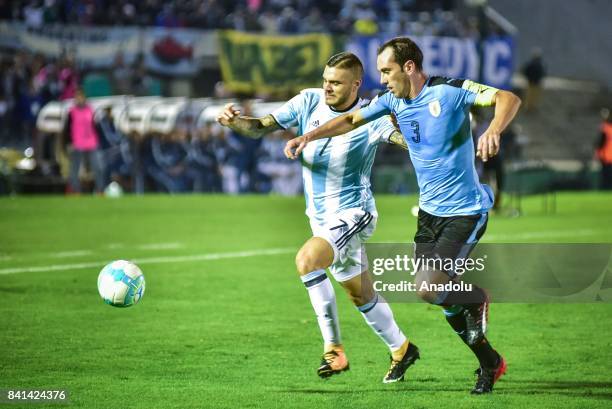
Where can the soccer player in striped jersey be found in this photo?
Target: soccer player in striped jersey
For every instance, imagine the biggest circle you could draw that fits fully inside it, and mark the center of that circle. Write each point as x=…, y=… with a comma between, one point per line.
x=433, y=116
x=340, y=206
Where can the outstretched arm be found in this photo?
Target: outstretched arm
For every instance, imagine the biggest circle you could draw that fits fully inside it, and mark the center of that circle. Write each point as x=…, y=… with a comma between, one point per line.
x=337, y=126
x=245, y=125
x=506, y=107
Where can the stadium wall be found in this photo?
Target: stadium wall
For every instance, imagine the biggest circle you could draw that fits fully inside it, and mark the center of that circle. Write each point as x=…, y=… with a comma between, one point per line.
x=568, y=33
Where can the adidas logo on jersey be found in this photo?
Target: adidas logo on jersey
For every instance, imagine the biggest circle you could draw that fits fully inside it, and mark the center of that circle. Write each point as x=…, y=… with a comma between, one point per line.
x=315, y=123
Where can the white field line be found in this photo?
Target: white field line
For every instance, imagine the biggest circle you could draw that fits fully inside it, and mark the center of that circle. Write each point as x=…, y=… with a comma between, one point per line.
x=508, y=238
x=113, y=246
x=152, y=260
x=160, y=246
x=74, y=253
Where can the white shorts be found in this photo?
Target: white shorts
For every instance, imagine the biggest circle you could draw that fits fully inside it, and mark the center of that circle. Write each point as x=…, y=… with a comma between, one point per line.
x=346, y=232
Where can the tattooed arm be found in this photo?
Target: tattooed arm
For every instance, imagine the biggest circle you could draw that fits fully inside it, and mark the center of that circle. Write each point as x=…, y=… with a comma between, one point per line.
x=245, y=125
x=396, y=138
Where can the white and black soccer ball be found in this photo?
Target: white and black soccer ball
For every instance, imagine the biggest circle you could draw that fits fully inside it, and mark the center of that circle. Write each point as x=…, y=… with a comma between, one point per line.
x=121, y=283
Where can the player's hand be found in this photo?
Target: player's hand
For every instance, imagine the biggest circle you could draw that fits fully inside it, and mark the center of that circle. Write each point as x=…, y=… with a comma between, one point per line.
x=228, y=114
x=294, y=147
x=488, y=145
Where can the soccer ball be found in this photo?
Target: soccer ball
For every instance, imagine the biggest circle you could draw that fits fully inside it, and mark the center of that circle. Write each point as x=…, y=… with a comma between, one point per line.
x=121, y=283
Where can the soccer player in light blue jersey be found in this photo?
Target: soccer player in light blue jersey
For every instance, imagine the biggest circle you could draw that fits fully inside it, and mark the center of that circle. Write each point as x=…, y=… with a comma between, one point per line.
x=340, y=206
x=433, y=116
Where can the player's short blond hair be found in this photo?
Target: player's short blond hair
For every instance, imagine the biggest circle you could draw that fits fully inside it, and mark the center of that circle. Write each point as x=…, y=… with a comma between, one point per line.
x=347, y=61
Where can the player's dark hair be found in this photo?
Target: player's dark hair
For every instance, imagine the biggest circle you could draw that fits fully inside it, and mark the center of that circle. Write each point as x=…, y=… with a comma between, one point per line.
x=348, y=61
x=404, y=49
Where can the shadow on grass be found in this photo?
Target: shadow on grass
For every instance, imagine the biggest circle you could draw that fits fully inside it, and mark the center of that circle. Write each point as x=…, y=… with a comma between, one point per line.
x=15, y=290
x=579, y=389
x=575, y=389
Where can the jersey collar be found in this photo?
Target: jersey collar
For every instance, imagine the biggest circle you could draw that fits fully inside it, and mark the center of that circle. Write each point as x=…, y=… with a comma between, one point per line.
x=422, y=91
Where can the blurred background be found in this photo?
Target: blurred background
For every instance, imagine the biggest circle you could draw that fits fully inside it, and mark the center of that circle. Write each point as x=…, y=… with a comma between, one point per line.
x=155, y=73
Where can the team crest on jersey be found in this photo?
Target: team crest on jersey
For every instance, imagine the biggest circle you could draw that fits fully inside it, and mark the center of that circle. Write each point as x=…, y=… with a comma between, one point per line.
x=435, y=108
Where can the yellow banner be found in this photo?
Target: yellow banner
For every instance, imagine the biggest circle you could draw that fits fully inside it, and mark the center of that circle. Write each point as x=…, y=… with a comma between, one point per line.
x=253, y=63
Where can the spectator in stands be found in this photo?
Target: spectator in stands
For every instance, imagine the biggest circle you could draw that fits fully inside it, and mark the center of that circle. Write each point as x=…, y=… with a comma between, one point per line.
x=604, y=149
x=314, y=23
x=68, y=78
x=203, y=161
x=365, y=20
x=228, y=150
x=285, y=176
x=168, y=169
x=167, y=17
x=268, y=22
x=534, y=71
x=50, y=12
x=289, y=22
x=115, y=149
x=128, y=13
x=121, y=75
x=140, y=157
x=141, y=81
x=338, y=15
x=46, y=82
x=27, y=106
x=243, y=20
x=84, y=143
x=246, y=158
x=211, y=15
x=33, y=14
x=15, y=80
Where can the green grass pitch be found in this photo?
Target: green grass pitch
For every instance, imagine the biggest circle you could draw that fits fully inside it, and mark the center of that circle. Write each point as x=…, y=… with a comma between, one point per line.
x=225, y=325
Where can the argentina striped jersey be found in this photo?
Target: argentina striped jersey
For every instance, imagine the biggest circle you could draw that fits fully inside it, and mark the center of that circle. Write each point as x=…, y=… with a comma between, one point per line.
x=336, y=171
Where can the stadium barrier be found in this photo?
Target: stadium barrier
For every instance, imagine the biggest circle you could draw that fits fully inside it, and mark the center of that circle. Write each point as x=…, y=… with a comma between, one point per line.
x=147, y=115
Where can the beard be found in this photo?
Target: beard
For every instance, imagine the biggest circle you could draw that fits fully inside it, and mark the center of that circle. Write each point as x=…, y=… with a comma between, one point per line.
x=335, y=100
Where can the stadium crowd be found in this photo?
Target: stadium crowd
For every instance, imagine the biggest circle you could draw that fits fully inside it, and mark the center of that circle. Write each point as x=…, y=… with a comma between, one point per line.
x=420, y=17
x=206, y=160
x=29, y=81
x=231, y=164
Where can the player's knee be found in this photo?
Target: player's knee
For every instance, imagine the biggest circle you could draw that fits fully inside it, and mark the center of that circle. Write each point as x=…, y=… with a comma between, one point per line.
x=305, y=262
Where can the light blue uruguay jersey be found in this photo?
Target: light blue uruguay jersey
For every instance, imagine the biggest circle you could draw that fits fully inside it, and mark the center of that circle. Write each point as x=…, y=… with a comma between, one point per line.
x=436, y=127
x=336, y=171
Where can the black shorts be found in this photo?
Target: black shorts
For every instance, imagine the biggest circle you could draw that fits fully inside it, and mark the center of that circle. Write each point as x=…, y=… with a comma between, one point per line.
x=448, y=237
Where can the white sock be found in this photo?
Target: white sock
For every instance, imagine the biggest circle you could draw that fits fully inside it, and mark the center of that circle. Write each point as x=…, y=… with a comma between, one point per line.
x=379, y=317
x=323, y=300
